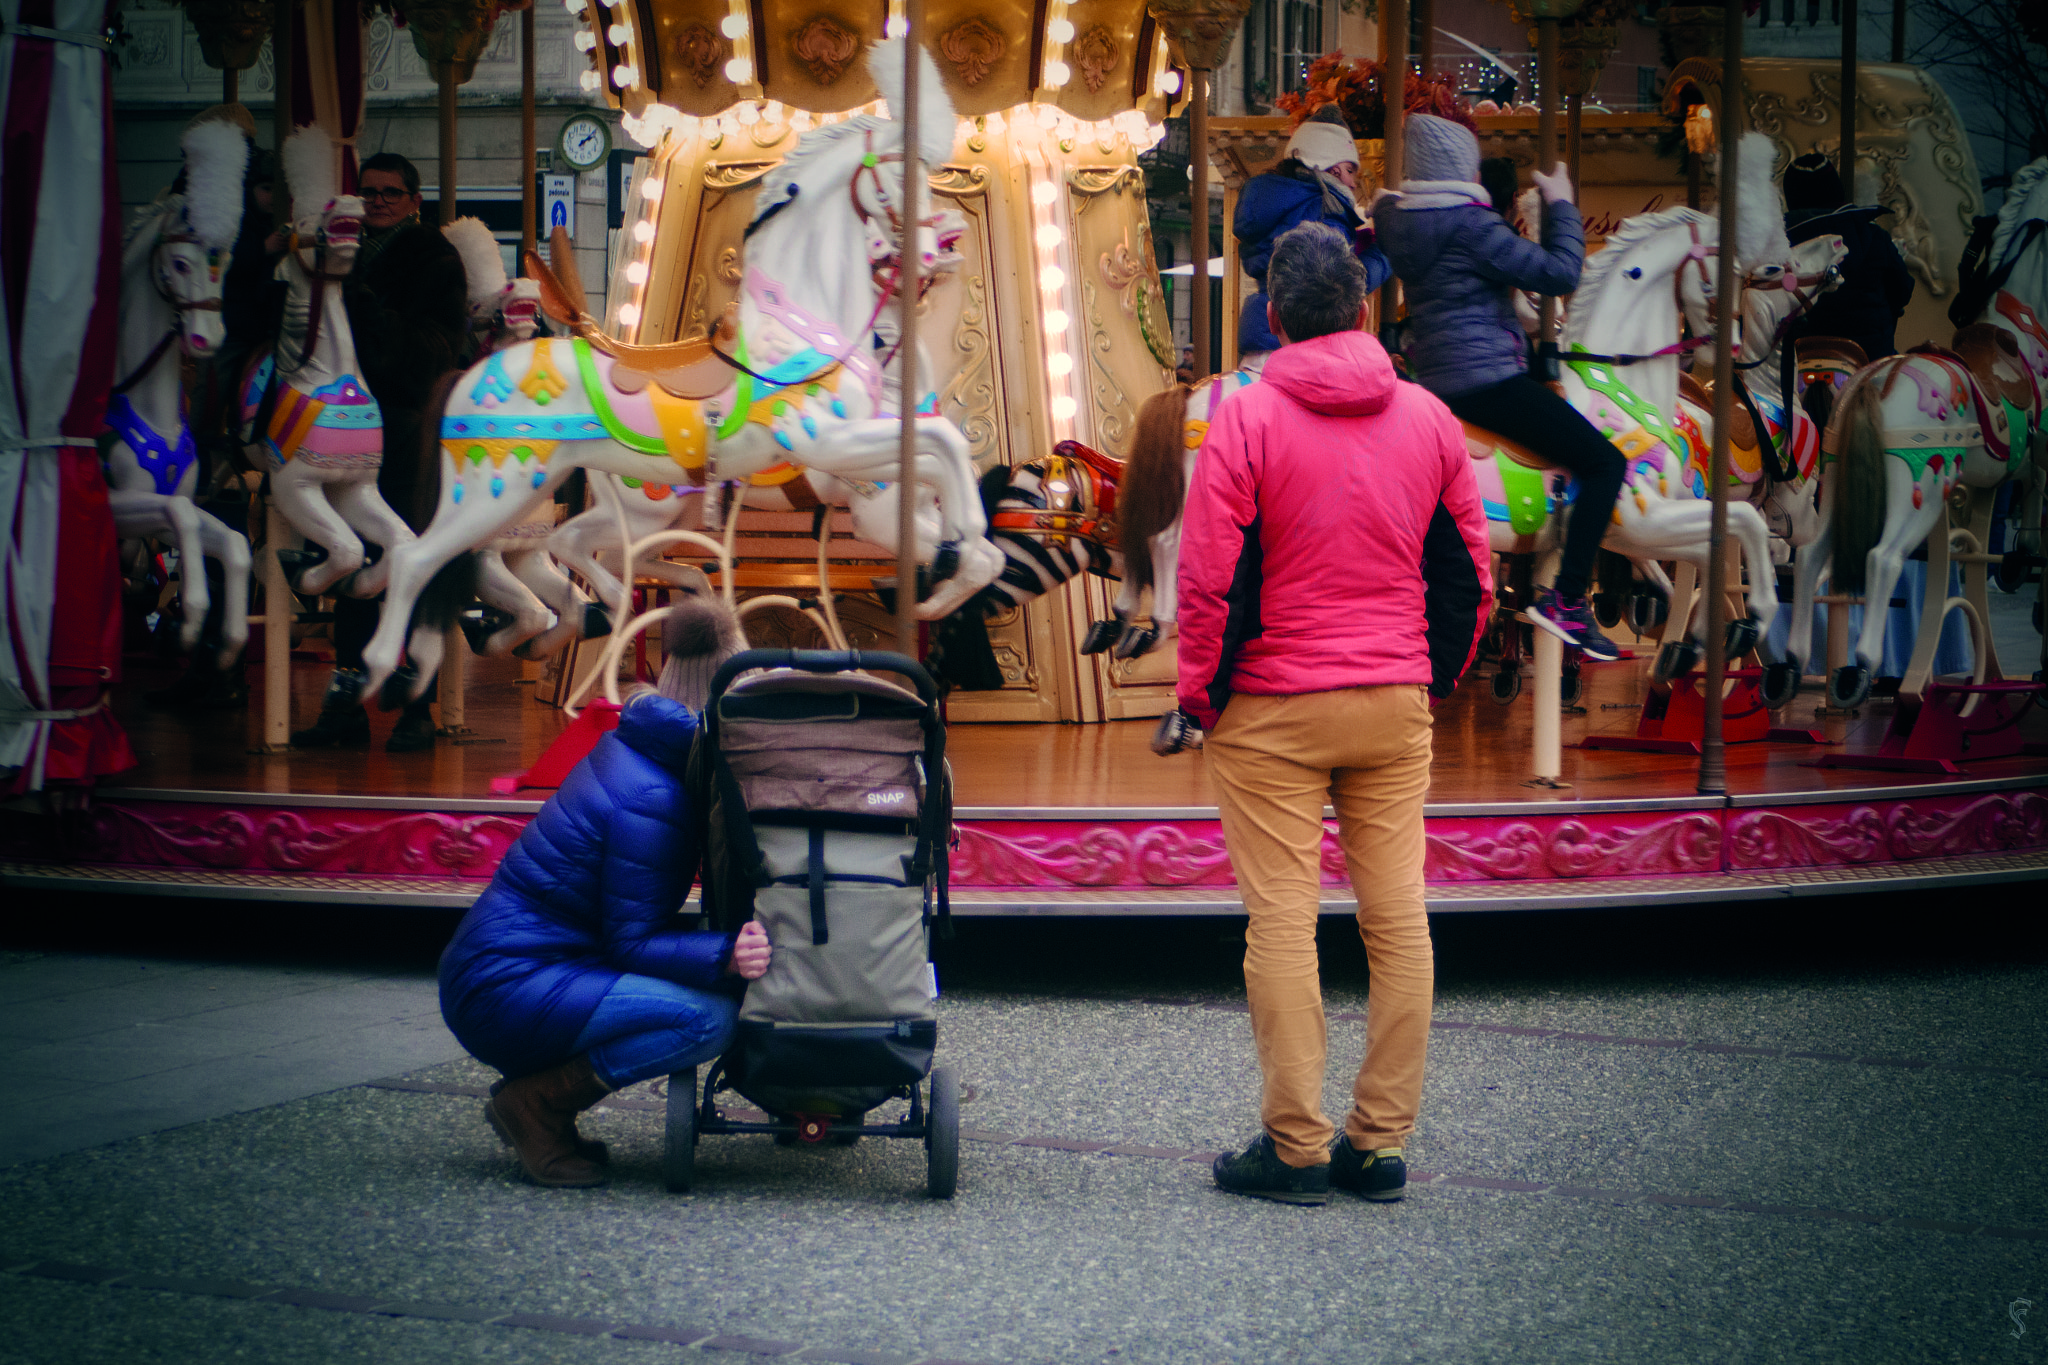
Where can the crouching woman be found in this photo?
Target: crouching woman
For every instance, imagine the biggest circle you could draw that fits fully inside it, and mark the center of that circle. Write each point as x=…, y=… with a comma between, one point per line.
x=571, y=974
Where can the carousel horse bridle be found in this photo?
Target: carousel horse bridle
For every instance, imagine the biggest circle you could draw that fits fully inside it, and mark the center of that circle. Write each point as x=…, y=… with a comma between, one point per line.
x=215, y=263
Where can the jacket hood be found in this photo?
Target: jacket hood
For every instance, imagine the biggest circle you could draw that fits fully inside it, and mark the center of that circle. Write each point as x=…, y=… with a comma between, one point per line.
x=1344, y=374
x=661, y=729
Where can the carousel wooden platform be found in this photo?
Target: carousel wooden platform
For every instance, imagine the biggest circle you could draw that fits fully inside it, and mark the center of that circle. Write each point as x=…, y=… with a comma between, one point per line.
x=1068, y=819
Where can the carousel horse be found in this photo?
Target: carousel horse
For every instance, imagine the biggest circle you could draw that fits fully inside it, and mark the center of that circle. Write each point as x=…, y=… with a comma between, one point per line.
x=530, y=608
x=307, y=419
x=797, y=376
x=172, y=263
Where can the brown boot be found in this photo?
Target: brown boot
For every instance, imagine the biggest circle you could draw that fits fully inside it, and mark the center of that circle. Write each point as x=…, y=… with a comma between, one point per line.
x=536, y=1117
x=590, y=1149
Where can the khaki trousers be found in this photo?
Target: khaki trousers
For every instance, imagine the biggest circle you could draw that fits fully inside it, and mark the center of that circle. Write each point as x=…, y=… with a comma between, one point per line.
x=1276, y=762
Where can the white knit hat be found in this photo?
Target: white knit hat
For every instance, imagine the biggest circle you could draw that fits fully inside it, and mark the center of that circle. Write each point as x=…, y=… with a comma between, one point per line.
x=1321, y=144
x=1437, y=149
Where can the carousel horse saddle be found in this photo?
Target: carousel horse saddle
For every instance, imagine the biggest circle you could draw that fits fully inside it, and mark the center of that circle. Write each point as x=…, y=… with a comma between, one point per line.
x=1835, y=354
x=1524, y=477
x=1986, y=350
x=692, y=369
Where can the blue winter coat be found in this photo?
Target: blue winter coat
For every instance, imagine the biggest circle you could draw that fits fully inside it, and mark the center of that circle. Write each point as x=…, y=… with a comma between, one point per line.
x=1459, y=267
x=589, y=892
x=1269, y=205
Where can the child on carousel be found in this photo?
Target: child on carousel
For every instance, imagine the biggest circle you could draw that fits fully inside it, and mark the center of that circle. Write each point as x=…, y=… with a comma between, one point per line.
x=1460, y=263
x=1315, y=182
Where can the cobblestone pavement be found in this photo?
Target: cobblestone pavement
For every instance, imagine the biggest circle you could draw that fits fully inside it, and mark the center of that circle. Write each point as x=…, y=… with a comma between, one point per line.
x=1810, y=1133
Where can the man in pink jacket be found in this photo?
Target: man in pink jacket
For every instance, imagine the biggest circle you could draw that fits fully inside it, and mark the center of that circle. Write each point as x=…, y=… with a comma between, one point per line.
x=1333, y=579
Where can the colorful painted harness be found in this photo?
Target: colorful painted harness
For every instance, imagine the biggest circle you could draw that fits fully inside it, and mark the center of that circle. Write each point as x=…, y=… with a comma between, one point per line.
x=165, y=460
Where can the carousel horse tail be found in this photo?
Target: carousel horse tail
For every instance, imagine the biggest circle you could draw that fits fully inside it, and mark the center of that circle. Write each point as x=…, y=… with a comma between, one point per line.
x=1857, y=439
x=1155, y=479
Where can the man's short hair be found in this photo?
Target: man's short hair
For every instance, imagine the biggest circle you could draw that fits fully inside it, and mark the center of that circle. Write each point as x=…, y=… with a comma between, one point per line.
x=392, y=161
x=1315, y=282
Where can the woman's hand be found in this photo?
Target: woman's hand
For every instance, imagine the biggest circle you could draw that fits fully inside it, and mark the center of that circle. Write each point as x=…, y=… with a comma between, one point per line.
x=750, y=952
x=1556, y=188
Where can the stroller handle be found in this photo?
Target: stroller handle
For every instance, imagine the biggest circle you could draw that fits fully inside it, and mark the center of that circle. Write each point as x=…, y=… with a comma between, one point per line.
x=824, y=661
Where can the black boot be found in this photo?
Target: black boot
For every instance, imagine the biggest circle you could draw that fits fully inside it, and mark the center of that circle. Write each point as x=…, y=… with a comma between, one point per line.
x=414, y=731
x=342, y=723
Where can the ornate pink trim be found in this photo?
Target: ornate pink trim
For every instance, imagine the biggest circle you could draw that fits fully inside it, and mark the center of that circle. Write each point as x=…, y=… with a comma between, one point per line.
x=1876, y=832
x=1568, y=848
x=333, y=841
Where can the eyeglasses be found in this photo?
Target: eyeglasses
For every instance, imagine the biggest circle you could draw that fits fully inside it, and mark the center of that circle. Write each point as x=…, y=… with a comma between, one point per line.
x=385, y=196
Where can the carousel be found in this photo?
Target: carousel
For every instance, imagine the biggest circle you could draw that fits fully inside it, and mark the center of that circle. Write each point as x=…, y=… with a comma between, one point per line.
x=870, y=371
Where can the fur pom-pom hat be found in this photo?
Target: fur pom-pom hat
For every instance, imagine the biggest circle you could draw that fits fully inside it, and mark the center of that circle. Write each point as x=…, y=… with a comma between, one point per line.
x=216, y=158
x=1323, y=140
x=935, y=116
x=311, y=171
x=482, y=263
x=1760, y=238
x=698, y=635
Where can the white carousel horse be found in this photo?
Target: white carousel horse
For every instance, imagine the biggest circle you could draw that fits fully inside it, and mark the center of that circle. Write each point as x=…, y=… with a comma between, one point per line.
x=172, y=264
x=800, y=388
x=530, y=607
x=322, y=434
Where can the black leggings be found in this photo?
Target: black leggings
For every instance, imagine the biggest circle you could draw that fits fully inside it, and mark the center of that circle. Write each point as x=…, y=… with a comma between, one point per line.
x=1524, y=410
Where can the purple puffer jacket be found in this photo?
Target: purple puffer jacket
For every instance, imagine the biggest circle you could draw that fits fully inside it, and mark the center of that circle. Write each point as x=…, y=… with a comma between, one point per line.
x=1458, y=267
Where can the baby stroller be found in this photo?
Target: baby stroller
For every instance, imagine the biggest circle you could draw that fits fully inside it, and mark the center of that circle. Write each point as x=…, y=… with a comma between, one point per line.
x=826, y=806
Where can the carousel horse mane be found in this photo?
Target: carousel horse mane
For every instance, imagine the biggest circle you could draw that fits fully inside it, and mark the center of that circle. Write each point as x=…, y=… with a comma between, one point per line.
x=1154, y=485
x=2028, y=183
x=1601, y=265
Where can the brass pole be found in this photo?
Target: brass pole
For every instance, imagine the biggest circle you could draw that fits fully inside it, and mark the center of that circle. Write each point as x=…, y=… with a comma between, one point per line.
x=906, y=346
x=281, y=112
x=1546, y=148
x=1713, y=767
x=1394, y=33
x=1574, y=122
x=1848, y=162
x=528, y=210
x=1198, y=202
x=446, y=76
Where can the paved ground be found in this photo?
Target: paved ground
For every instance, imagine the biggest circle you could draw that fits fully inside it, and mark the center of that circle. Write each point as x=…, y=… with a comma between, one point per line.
x=1809, y=1133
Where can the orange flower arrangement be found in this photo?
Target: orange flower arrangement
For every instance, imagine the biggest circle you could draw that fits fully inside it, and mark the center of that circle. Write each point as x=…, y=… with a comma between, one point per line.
x=1357, y=88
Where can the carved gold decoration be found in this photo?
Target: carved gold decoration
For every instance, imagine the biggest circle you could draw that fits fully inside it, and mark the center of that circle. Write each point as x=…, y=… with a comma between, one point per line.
x=973, y=47
x=451, y=33
x=231, y=32
x=1091, y=181
x=1199, y=32
x=696, y=318
x=824, y=47
x=733, y=175
x=959, y=181
x=970, y=399
x=729, y=267
x=977, y=141
x=1130, y=274
x=1582, y=51
x=1094, y=54
x=695, y=50
x=1114, y=414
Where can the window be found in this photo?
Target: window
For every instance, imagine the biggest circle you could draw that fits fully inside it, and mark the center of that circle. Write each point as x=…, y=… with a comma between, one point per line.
x=1281, y=37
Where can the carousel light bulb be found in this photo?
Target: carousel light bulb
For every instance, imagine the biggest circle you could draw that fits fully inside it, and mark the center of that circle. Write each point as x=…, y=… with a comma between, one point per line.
x=624, y=75
x=733, y=25
x=897, y=27
x=629, y=313
x=585, y=40
x=1060, y=30
x=993, y=124
x=1130, y=123
x=800, y=122
x=651, y=188
x=1044, y=192
x=772, y=111
x=1049, y=236
x=748, y=115
x=1168, y=82
x=619, y=34
x=739, y=70
x=1057, y=74
x=1063, y=407
x=1059, y=362
x=1047, y=115
x=573, y=6
x=1052, y=279
x=636, y=271
x=643, y=231
x=590, y=80
x=1057, y=321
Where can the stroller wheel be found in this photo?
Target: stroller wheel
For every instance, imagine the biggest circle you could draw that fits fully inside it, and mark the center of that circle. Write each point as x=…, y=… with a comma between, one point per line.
x=679, y=1155
x=942, y=1134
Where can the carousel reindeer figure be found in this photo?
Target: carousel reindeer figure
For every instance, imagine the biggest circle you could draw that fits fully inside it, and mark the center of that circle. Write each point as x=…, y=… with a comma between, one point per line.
x=801, y=375
x=307, y=418
x=172, y=263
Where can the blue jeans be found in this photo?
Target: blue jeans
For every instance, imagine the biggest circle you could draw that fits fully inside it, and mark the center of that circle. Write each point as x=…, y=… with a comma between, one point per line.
x=648, y=1027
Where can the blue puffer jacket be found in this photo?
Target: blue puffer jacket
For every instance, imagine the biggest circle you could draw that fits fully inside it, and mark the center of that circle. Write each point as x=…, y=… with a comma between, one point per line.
x=1270, y=204
x=1458, y=267
x=588, y=893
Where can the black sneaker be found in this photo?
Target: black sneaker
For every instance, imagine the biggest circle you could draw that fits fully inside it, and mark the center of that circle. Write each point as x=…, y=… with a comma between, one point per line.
x=1571, y=620
x=1379, y=1175
x=1259, y=1171
x=414, y=731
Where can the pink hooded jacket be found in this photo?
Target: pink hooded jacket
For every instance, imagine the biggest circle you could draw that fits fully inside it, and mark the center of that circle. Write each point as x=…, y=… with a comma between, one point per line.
x=1333, y=535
